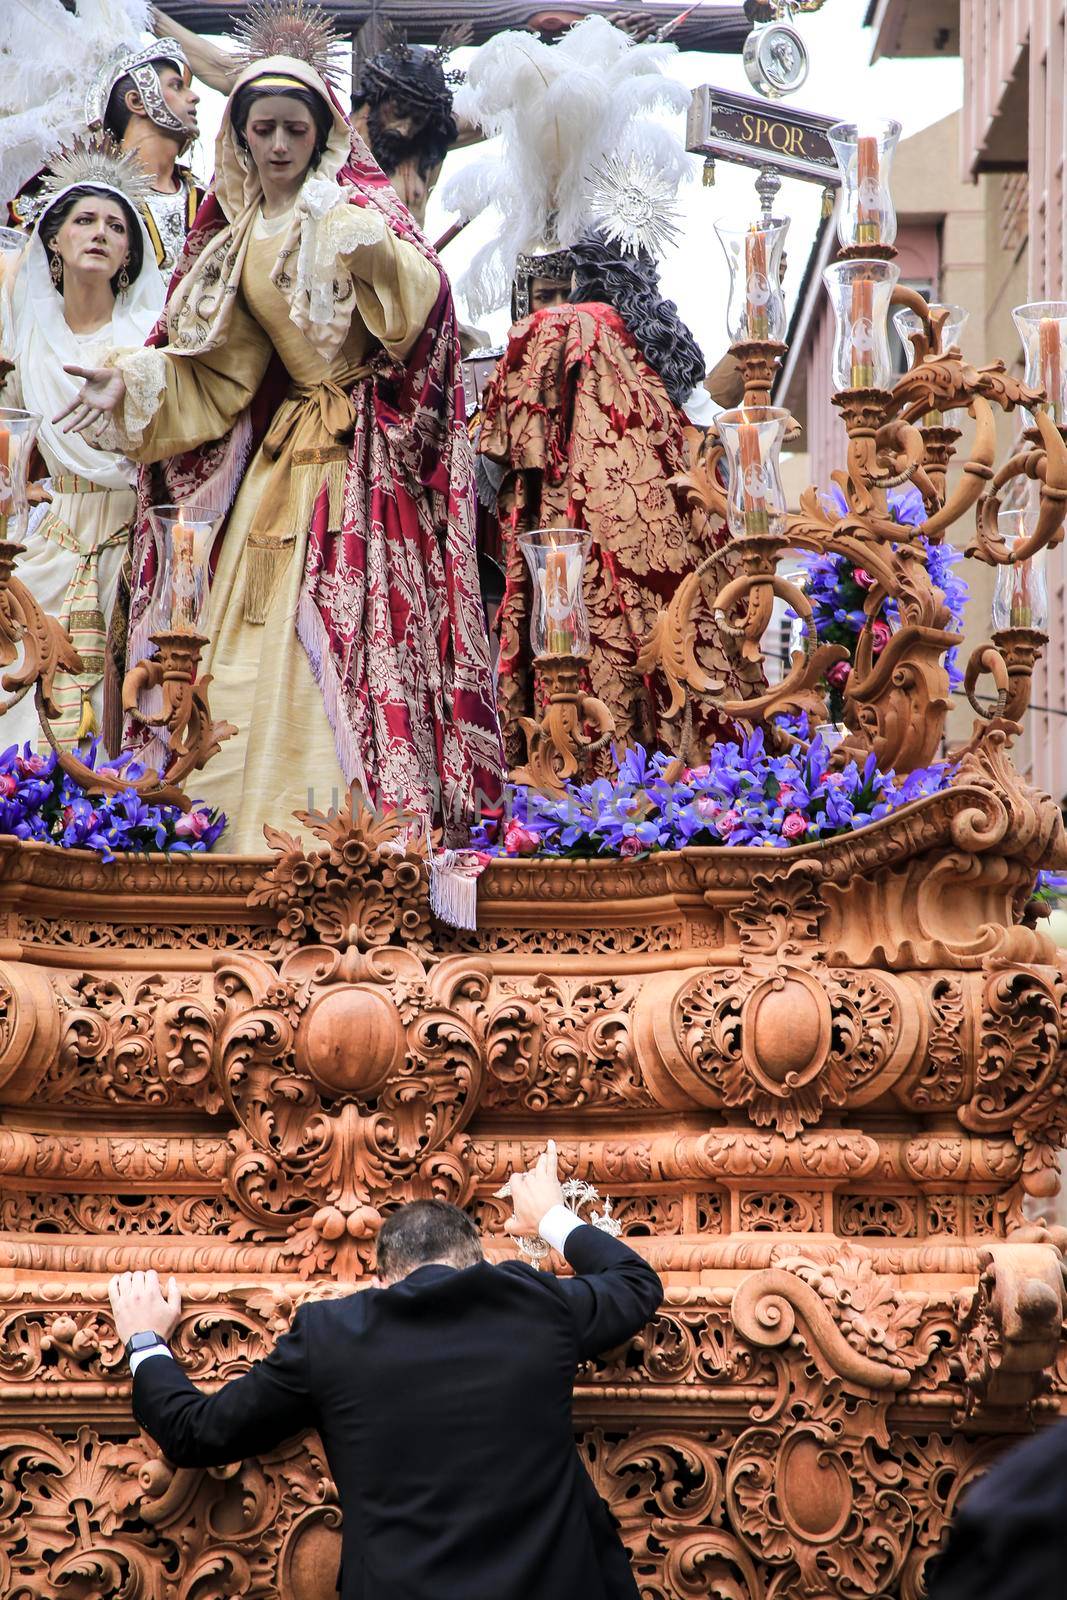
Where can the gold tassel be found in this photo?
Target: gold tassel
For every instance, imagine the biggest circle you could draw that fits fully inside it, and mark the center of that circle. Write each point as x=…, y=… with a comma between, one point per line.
x=335, y=491
x=305, y=486
x=87, y=726
x=709, y=172
x=265, y=564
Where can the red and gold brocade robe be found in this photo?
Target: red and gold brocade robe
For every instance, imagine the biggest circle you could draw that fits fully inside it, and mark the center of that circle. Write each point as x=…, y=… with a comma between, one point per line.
x=589, y=438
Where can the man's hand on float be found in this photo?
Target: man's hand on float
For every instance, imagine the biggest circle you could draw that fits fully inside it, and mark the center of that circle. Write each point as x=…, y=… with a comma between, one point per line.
x=103, y=392
x=139, y=1305
x=534, y=1193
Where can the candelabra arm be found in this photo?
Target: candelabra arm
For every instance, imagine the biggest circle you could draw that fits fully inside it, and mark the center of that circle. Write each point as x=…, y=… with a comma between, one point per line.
x=1049, y=468
x=977, y=472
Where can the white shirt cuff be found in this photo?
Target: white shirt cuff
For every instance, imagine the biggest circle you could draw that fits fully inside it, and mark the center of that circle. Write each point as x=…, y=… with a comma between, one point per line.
x=557, y=1225
x=146, y=1355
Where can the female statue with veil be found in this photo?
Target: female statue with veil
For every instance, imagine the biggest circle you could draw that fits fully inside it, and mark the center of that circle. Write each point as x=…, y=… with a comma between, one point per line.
x=85, y=281
x=303, y=381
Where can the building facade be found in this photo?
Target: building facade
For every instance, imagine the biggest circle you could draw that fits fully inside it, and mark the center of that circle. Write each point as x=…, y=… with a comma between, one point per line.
x=1012, y=140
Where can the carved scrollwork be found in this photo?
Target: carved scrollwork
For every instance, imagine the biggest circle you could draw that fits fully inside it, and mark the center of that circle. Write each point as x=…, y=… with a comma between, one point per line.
x=351, y=1081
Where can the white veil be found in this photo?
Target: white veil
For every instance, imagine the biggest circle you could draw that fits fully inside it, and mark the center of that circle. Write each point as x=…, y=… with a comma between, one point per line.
x=37, y=337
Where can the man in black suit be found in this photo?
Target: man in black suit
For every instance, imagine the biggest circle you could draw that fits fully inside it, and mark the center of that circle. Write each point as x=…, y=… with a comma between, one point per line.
x=443, y=1399
x=1008, y=1540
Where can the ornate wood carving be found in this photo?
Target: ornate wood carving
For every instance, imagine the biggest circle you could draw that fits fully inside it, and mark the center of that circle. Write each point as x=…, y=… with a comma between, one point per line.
x=817, y=1087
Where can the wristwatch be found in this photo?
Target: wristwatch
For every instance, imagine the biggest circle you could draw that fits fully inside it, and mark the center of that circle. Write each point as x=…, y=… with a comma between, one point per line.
x=144, y=1341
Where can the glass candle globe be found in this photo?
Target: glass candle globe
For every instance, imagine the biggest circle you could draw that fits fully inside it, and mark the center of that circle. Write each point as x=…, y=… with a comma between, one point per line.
x=1020, y=593
x=556, y=557
x=756, y=307
x=864, y=154
x=183, y=541
x=1043, y=331
x=18, y=435
x=860, y=293
x=752, y=438
x=908, y=324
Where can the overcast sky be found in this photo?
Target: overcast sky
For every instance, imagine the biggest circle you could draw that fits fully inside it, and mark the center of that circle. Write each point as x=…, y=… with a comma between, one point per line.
x=842, y=84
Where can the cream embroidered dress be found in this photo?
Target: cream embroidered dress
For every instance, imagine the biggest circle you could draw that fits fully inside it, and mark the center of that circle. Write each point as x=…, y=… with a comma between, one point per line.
x=74, y=544
x=284, y=756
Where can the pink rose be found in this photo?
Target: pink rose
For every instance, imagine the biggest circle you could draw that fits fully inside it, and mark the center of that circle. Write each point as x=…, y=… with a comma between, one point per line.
x=706, y=807
x=30, y=766
x=631, y=846
x=8, y=786
x=192, y=825
x=839, y=674
x=729, y=821
x=696, y=772
x=863, y=577
x=880, y=636
x=785, y=794
x=520, y=841
x=794, y=825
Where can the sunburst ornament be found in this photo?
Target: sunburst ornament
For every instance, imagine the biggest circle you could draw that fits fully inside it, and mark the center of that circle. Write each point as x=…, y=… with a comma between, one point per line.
x=95, y=160
x=296, y=28
x=634, y=204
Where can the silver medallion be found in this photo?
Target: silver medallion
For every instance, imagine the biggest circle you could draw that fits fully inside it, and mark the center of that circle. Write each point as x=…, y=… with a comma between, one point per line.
x=776, y=59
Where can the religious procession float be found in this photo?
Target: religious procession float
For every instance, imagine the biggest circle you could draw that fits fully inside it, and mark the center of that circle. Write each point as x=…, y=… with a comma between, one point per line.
x=284, y=944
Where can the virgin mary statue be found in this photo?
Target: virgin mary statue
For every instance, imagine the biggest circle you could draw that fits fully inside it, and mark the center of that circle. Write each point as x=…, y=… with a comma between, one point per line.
x=302, y=379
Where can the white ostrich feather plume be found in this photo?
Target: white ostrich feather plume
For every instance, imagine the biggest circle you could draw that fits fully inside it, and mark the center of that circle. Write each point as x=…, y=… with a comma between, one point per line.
x=48, y=56
x=561, y=112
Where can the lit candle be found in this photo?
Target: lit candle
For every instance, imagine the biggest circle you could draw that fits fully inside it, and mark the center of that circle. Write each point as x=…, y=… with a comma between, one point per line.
x=757, y=284
x=1051, y=352
x=862, y=334
x=6, y=506
x=753, y=483
x=868, y=209
x=559, y=637
x=183, y=608
x=1022, y=610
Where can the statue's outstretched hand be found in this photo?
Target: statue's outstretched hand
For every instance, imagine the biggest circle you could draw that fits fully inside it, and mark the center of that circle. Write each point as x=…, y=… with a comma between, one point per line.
x=101, y=394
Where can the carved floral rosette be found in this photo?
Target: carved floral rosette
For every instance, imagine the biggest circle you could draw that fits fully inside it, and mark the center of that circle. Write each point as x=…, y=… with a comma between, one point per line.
x=819, y=1088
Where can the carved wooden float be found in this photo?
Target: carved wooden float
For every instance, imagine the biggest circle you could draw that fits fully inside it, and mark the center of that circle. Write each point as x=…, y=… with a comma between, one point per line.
x=817, y=1083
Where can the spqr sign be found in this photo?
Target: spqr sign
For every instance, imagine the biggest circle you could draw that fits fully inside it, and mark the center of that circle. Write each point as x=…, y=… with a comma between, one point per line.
x=735, y=128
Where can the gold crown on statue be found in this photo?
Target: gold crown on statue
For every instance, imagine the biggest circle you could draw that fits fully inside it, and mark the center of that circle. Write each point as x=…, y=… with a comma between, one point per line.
x=296, y=28
x=96, y=160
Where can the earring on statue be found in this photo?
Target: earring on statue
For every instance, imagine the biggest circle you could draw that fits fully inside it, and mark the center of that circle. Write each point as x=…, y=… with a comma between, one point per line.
x=124, y=279
x=55, y=267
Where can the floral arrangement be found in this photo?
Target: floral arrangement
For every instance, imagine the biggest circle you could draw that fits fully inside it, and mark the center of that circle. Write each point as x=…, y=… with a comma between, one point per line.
x=743, y=795
x=838, y=591
x=39, y=801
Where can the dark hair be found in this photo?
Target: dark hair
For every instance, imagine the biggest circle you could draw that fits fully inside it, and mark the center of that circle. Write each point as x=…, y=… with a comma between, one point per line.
x=411, y=76
x=57, y=214
x=630, y=284
x=118, y=114
x=426, y=1230
x=249, y=93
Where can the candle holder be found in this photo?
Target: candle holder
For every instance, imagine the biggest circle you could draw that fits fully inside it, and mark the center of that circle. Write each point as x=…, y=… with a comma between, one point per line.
x=752, y=439
x=559, y=625
x=18, y=435
x=866, y=218
x=557, y=741
x=949, y=322
x=860, y=292
x=183, y=541
x=1042, y=328
x=755, y=312
x=1020, y=616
